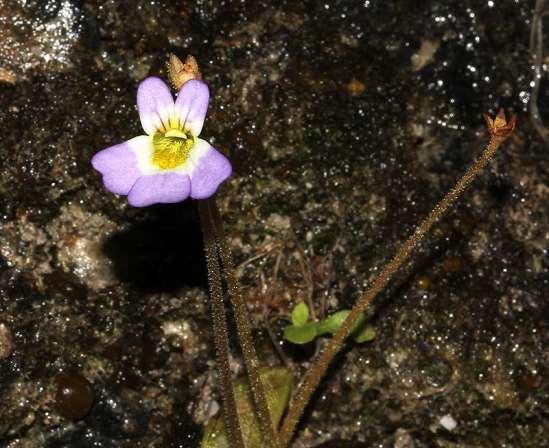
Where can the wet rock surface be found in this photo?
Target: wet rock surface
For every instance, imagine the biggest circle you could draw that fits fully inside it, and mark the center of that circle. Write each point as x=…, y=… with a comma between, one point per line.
x=345, y=122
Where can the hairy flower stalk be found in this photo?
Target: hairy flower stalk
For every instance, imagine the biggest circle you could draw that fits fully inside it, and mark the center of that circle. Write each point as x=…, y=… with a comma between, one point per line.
x=249, y=354
x=216, y=246
x=221, y=334
x=499, y=129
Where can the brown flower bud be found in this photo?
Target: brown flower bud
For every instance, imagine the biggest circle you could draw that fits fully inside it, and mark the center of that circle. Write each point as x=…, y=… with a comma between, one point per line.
x=179, y=73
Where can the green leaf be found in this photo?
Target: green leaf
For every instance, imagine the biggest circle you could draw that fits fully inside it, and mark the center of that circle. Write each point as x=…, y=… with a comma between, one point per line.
x=366, y=334
x=300, y=314
x=333, y=322
x=301, y=334
x=278, y=389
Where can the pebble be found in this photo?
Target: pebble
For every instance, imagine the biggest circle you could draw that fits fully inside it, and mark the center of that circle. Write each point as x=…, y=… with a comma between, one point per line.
x=448, y=422
x=74, y=397
x=423, y=282
x=6, y=342
x=355, y=87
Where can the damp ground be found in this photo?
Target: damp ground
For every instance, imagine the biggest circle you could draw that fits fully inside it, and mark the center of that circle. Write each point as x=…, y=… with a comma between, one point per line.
x=345, y=122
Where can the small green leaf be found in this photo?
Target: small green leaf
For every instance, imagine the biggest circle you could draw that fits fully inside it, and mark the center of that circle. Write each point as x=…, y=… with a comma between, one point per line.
x=301, y=334
x=300, y=314
x=366, y=334
x=333, y=322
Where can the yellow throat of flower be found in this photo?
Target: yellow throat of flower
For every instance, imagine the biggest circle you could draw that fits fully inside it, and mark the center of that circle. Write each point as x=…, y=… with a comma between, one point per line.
x=171, y=149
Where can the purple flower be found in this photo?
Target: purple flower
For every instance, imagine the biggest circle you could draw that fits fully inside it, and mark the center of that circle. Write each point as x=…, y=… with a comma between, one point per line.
x=170, y=163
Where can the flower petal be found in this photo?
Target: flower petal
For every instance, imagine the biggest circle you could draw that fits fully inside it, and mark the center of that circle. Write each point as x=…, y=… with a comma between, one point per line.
x=154, y=104
x=210, y=168
x=159, y=188
x=119, y=164
x=191, y=105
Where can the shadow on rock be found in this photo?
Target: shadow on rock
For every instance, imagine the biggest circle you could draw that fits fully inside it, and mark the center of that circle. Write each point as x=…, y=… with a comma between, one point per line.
x=163, y=252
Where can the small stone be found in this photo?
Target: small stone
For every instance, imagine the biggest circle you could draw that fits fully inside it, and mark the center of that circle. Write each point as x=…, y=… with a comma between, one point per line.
x=403, y=439
x=278, y=223
x=179, y=333
x=74, y=397
x=448, y=422
x=425, y=55
x=355, y=87
x=6, y=342
x=7, y=76
x=423, y=282
x=212, y=408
